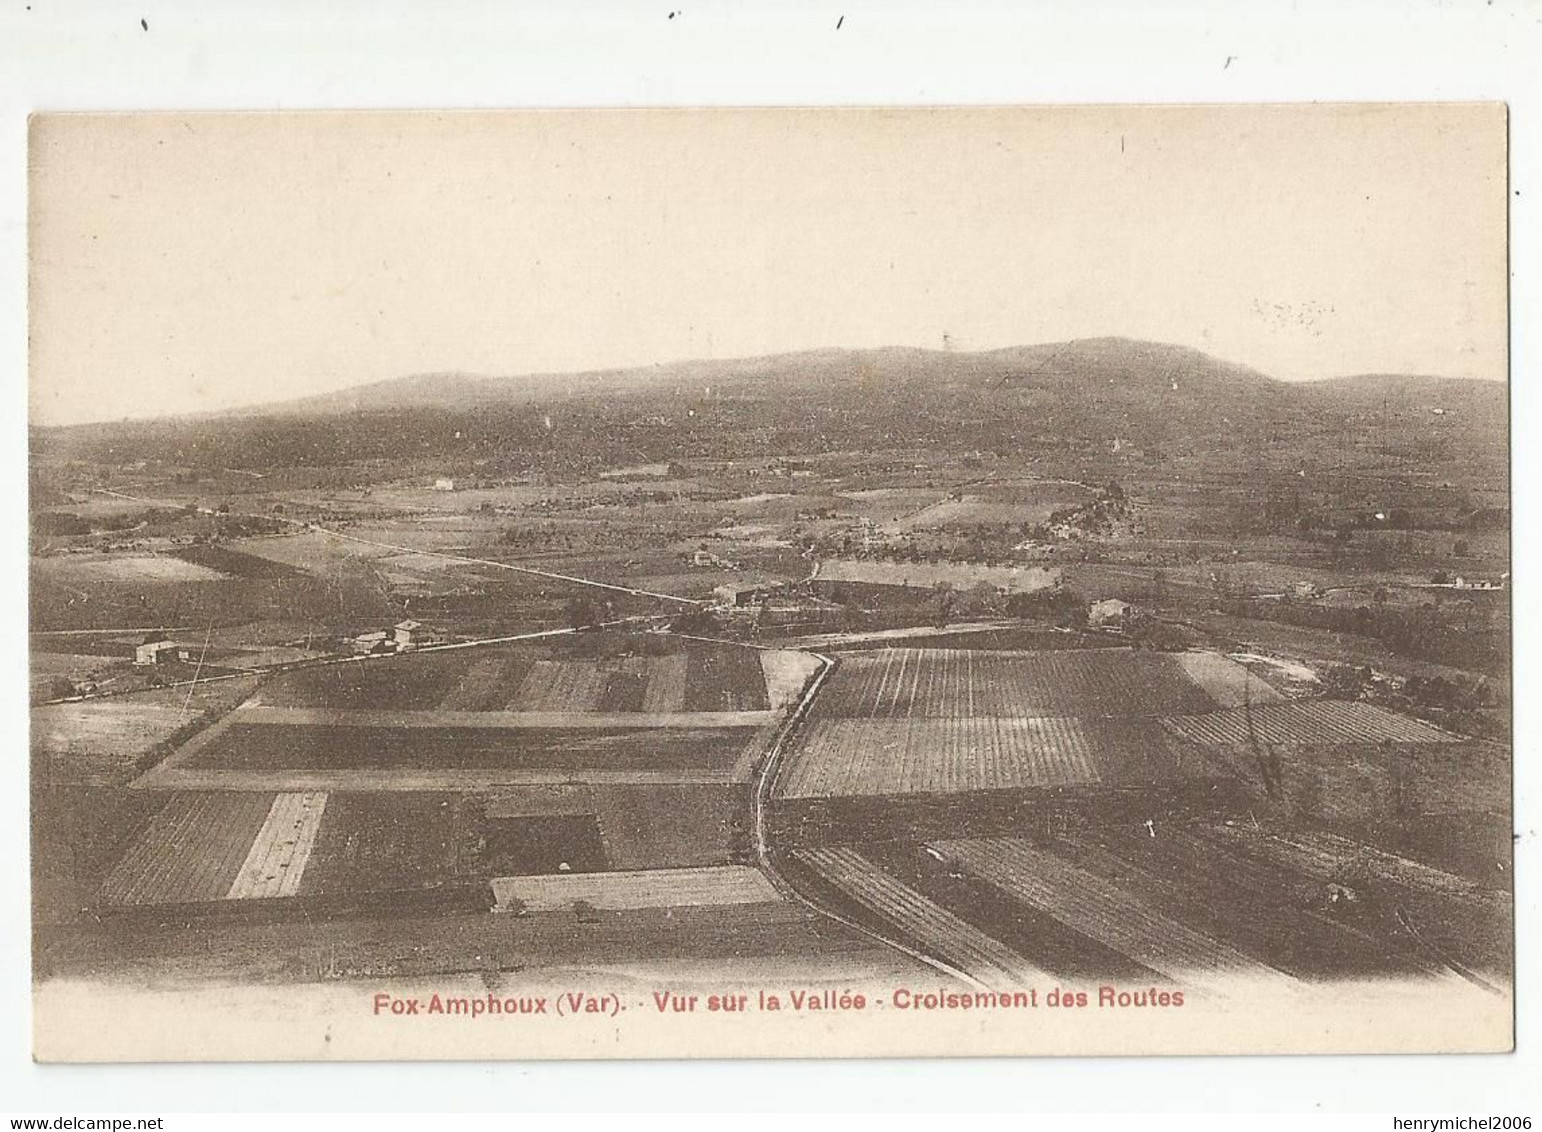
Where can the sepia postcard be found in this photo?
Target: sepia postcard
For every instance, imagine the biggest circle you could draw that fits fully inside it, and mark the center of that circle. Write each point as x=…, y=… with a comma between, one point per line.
x=770, y=583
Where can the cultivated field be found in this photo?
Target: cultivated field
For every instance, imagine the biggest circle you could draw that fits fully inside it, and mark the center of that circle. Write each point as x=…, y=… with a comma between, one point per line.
x=649, y=675
x=658, y=825
x=836, y=757
x=279, y=853
x=1306, y=721
x=391, y=842
x=94, y=570
x=1227, y=683
x=926, y=576
x=938, y=931
x=197, y=847
x=1018, y=504
x=108, y=740
x=1102, y=912
x=280, y=748
x=939, y=721
x=192, y=850
x=966, y=683
x=1278, y=916
x=732, y=943
x=1199, y=903
x=653, y=888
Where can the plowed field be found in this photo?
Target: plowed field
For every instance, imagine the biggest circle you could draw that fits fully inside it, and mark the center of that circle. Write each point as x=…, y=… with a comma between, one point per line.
x=191, y=851
x=962, y=683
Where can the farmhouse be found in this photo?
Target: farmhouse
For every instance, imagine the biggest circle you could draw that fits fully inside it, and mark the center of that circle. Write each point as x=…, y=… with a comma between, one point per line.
x=402, y=634
x=1462, y=583
x=639, y=472
x=157, y=649
x=1110, y=613
x=444, y=483
x=741, y=595
x=371, y=642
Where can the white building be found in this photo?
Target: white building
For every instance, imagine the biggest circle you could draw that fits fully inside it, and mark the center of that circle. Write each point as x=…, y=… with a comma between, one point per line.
x=159, y=650
x=1110, y=613
x=370, y=642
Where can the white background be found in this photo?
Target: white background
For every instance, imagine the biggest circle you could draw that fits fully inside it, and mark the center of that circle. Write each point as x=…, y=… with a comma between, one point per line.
x=287, y=55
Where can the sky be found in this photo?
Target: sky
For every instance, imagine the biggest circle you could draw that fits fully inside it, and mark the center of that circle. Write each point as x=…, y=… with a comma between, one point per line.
x=192, y=262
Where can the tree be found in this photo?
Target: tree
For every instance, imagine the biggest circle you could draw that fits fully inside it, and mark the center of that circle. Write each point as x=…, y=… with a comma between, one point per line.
x=581, y=613
x=1345, y=681
x=942, y=603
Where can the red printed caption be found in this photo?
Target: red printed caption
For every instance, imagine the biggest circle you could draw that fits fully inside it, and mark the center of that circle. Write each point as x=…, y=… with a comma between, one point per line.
x=571, y=1004
x=584, y=1004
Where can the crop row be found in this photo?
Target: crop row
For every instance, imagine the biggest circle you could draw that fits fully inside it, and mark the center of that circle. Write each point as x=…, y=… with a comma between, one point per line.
x=890, y=756
x=1305, y=721
x=963, y=683
x=1097, y=909
x=1280, y=917
x=191, y=850
x=939, y=931
x=701, y=678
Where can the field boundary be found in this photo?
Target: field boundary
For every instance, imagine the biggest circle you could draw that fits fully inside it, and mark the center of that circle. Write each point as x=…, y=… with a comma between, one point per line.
x=420, y=780
x=431, y=718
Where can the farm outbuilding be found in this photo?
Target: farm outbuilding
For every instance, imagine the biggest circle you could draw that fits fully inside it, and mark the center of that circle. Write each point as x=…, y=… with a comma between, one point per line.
x=156, y=649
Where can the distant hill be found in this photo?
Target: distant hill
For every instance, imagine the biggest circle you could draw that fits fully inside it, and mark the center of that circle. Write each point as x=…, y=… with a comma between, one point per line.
x=1064, y=395
x=1132, y=365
